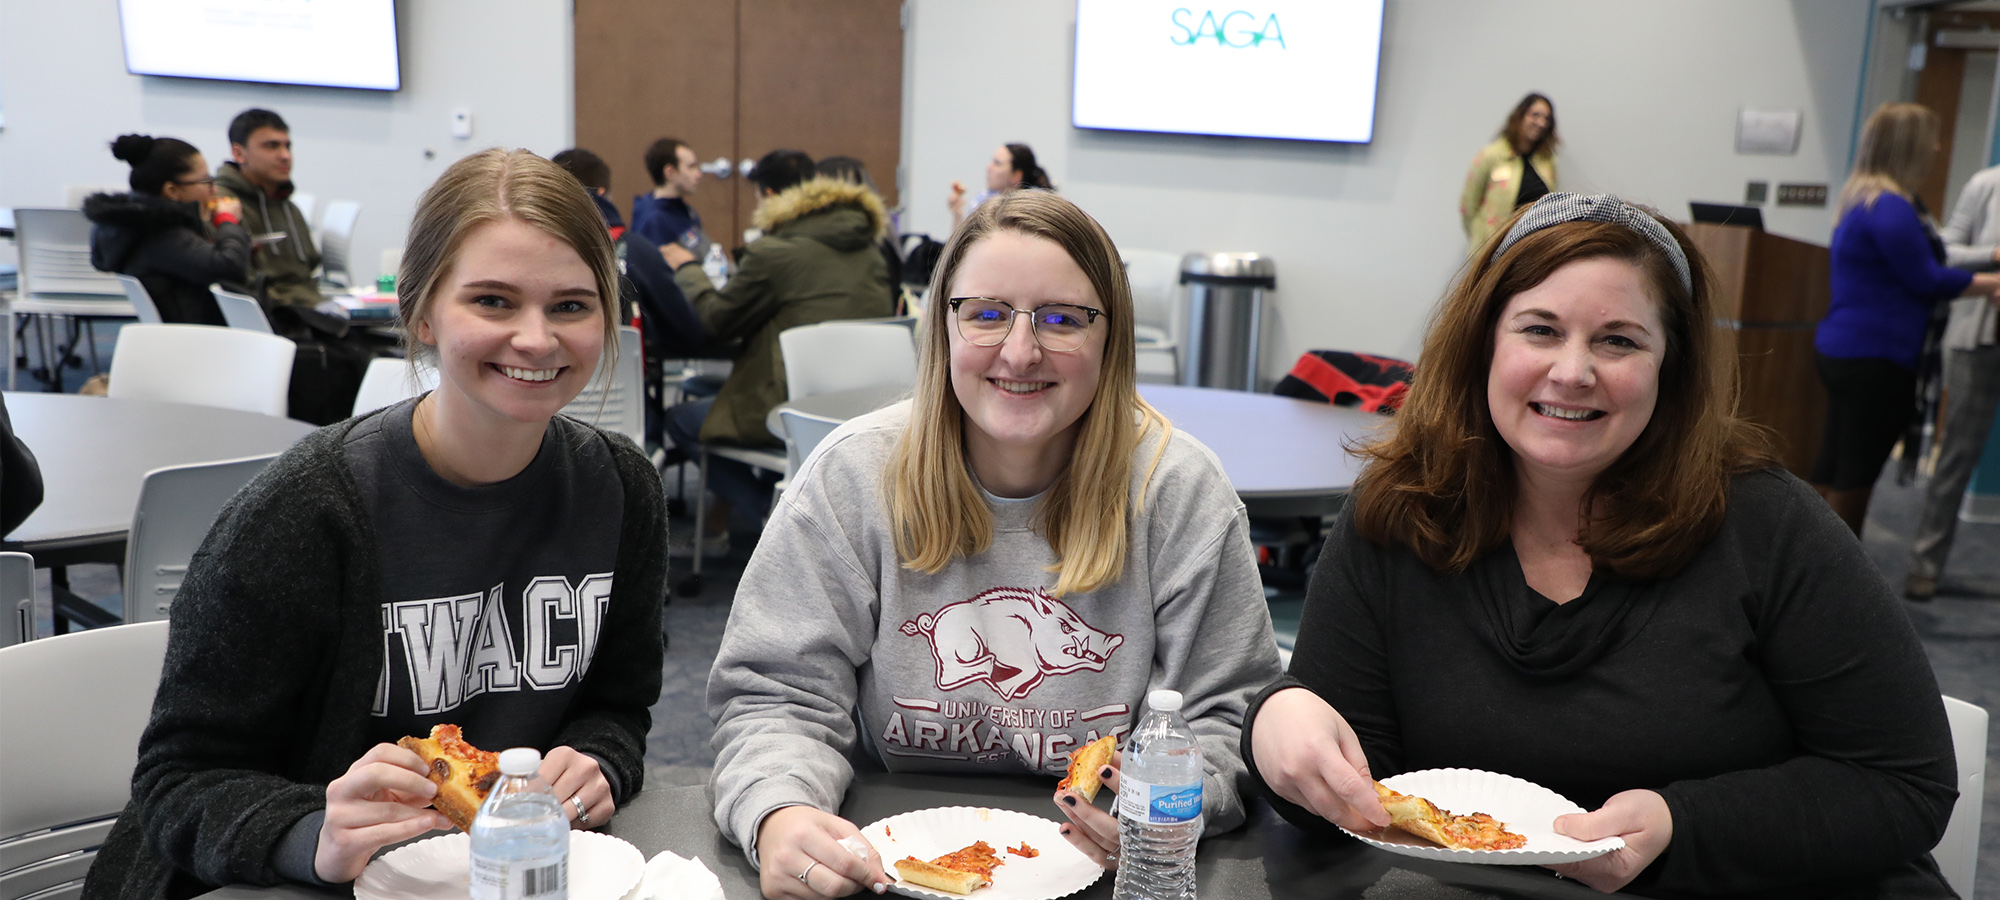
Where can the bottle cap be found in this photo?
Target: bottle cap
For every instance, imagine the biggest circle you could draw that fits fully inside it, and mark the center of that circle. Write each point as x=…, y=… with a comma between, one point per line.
x=525, y=761
x=1164, y=700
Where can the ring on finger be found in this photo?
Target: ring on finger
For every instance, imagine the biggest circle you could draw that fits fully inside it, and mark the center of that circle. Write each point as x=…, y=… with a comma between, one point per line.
x=808, y=871
x=582, y=816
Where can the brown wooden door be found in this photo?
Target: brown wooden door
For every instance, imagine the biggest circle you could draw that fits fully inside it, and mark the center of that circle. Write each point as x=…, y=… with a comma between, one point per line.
x=737, y=79
x=1938, y=87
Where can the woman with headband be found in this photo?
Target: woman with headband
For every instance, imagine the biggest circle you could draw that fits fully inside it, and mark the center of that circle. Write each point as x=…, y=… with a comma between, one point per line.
x=1573, y=564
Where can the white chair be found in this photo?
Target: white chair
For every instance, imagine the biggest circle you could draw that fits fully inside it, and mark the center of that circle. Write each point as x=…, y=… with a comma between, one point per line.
x=177, y=504
x=233, y=368
x=73, y=194
x=840, y=356
x=390, y=381
x=17, y=594
x=1957, y=854
x=618, y=402
x=75, y=705
x=336, y=241
x=142, y=301
x=306, y=203
x=242, y=311
x=1157, y=311
x=803, y=432
x=57, y=280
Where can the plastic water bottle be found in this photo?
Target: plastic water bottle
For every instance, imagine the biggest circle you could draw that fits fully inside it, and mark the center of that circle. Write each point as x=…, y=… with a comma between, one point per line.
x=520, y=838
x=1159, y=805
x=716, y=264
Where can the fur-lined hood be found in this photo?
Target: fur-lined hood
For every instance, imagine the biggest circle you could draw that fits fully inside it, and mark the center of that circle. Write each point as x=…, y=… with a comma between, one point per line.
x=840, y=214
x=125, y=221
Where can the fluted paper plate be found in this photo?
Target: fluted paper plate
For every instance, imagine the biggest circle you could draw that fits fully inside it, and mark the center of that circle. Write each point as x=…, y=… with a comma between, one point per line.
x=1529, y=810
x=601, y=867
x=1060, y=870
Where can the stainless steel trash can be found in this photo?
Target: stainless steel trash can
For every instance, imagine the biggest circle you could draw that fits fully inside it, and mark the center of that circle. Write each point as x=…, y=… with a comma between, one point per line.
x=1225, y=314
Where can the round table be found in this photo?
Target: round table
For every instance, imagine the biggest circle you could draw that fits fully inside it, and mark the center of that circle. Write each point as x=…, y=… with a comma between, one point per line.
x=1285, y=457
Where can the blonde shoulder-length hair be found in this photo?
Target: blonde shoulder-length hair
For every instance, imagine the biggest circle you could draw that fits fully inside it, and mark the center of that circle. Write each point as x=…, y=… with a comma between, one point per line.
x=1898, y=145
x=936, y=511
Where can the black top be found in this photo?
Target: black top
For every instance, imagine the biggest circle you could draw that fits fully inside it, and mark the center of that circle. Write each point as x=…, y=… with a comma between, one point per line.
x=1532, y=185
x=1772, y=692
x=169, y=248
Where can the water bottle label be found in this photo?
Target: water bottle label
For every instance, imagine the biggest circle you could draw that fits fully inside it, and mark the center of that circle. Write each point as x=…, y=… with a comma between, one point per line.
x=1159, y=804
x=520, y=879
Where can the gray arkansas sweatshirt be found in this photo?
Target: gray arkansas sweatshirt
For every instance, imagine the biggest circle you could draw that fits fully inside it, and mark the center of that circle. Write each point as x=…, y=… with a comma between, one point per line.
x=977, y=668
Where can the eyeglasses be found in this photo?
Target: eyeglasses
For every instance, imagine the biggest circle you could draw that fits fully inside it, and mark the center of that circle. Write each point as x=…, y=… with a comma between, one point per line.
x=194, y=182
x=985, y=322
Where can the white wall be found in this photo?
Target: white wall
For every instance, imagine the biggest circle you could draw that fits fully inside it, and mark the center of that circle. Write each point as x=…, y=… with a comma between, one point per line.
x=66, y=94
x=1366, y=236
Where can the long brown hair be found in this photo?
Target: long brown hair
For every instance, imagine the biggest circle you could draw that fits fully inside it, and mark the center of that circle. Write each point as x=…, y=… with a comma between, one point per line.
x=1443, y=483
x=490, y=186
x=937, y=512
x=1898, y=145
x=1515, y=120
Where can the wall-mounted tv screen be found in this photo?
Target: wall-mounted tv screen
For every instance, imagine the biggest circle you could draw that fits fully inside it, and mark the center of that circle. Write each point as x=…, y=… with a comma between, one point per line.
x=1295, y=69
x=332, y=43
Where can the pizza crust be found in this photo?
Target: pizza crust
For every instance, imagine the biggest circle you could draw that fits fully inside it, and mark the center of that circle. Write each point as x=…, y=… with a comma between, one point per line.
x=1422, y=818
x=931, y=875
x=1084, y=765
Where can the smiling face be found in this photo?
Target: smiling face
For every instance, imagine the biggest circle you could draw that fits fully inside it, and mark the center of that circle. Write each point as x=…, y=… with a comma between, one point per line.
x=1021, y=401
x=1576, y=369
x=1535, y=122
x=1000, y=174
x=517, y=324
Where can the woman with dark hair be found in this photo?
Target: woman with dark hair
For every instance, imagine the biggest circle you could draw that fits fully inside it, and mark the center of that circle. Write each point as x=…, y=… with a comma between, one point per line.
x=1891, y=288
x=853, y=171
x=308, y=635
x=171, y=232
x=1571, y=563
x=1012, y=166
x=1513, y=171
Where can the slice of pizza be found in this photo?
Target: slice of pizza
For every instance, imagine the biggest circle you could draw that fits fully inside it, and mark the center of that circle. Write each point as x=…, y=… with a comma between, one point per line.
x=462, y=772
x=961, y=871
x=1422, y=818
x=1084, y=765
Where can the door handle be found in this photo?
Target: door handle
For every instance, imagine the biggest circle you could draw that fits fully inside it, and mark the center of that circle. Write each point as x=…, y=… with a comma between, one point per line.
x=718, y=169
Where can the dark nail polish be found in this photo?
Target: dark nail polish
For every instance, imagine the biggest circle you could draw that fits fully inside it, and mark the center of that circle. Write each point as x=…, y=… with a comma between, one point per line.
x=1071, y=800
x=1104, y=773
x=1064, y=829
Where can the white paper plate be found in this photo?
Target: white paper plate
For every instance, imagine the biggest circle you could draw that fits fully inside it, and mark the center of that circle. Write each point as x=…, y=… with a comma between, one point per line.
x=1529, y=810
x=1059, y=871
x=601, y=867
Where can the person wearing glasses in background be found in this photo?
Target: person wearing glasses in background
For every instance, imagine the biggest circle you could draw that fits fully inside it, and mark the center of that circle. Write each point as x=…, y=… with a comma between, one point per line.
x=990, y=575
x=171, y=232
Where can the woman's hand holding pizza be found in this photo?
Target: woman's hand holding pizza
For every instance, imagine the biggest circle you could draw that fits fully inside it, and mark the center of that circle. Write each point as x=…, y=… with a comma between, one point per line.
x=1640, y=817
x=384, y=798
x=1092, y=830
x=580, y=785
x=799, y=855
x=1310, y=756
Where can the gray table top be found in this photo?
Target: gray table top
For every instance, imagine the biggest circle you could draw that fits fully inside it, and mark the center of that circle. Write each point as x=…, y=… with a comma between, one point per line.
x=95, y=451
x=1282, y=455
x=1267, y=860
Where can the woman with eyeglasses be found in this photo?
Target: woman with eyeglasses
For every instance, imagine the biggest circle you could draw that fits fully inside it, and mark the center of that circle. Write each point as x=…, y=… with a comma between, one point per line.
x=991, y=574
x=172, y=232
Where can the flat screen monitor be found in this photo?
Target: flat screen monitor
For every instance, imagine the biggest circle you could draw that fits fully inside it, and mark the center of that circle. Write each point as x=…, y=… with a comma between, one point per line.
x=331, y=43
x=1294, y=69
x=1726, y=214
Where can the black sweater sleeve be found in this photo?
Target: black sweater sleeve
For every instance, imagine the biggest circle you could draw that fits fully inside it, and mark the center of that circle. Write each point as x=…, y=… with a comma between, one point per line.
x=191, y=258
x=612, y=713
x=1874, y=779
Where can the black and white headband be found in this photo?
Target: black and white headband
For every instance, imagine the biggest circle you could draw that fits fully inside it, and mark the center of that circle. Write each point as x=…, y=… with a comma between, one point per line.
x=1555, y=209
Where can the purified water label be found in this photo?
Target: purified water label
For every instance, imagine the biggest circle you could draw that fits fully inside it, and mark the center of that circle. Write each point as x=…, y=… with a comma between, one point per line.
x=1159, y=804
x=520, y=879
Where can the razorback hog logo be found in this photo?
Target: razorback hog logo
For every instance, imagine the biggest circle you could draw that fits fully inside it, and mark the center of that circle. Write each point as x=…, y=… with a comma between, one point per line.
x=1010, y=638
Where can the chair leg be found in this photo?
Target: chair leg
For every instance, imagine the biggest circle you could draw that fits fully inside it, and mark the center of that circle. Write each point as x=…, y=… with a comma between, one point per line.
x=692, y=586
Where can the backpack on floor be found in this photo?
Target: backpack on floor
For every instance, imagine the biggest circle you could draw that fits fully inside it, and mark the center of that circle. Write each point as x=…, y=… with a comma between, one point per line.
x=1373, y=383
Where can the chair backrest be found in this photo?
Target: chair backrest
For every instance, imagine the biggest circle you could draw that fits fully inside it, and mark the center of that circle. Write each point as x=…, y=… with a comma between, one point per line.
x=242, y=311
x=177, y=505
x=228, y=367
x=17, y=596
x=306, y=203
x=1957, y=854
x=55, y=255
x=74, y=708
x=336, y=240
x=1156, y=289
x=803, y=432
x=840, y=356
x=618, y=403
x=389, y=381
x=142, y=300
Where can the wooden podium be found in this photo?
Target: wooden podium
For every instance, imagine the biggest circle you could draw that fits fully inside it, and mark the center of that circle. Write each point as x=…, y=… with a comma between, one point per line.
x=1771, y=292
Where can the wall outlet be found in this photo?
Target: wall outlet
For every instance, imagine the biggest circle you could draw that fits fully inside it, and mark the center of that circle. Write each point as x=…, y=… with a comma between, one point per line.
x=461, y=122
x=1755, y=192
x=1801, y=195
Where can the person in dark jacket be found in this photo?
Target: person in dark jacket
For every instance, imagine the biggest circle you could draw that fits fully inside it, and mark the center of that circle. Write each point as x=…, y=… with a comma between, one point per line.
x=171, y=232
x=306, y=636
x=20, y=477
